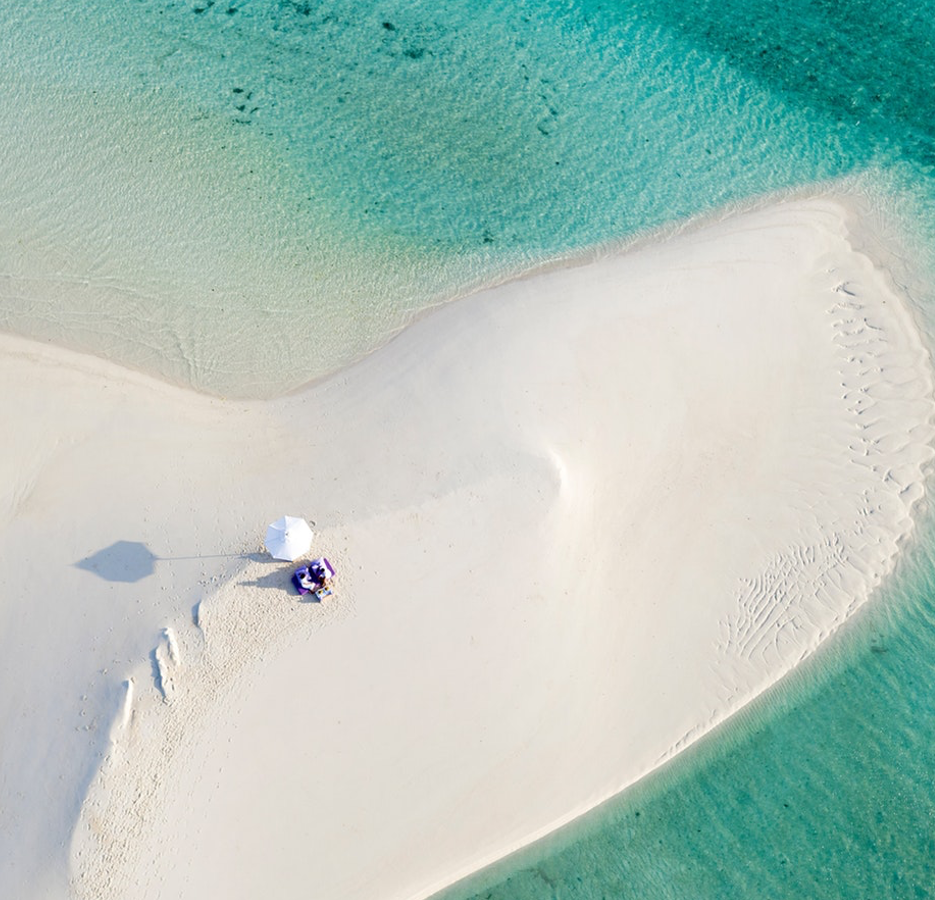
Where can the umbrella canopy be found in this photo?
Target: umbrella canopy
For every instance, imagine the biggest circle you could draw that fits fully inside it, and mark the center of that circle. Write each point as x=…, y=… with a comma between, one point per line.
x=288, y=538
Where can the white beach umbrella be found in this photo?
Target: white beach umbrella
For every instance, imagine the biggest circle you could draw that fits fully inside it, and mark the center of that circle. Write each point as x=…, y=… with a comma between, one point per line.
x=288, y=538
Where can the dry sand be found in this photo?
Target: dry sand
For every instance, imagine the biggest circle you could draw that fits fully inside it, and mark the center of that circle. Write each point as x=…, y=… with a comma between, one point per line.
x=578, y=520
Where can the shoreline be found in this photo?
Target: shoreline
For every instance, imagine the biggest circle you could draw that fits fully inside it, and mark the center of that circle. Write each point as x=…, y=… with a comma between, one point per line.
x=851, y=191
x=685, y=467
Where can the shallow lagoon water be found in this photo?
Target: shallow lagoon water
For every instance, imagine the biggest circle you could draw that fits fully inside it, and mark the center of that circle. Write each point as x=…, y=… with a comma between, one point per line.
x=245, y=196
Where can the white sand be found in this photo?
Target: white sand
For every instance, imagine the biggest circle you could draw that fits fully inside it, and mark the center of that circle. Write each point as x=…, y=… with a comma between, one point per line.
x=578, y=520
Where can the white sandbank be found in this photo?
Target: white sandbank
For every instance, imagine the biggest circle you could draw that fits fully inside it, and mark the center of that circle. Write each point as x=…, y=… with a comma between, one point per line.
x=578, y=520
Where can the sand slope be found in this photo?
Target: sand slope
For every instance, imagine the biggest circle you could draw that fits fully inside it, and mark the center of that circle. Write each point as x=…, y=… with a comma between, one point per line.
x=578, y=520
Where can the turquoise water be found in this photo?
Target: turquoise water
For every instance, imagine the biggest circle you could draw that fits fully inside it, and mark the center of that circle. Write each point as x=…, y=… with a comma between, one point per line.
x=243, y=196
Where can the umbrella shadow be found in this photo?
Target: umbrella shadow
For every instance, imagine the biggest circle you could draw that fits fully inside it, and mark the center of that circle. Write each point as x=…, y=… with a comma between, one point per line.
x=132, y=561
x=126, y=561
